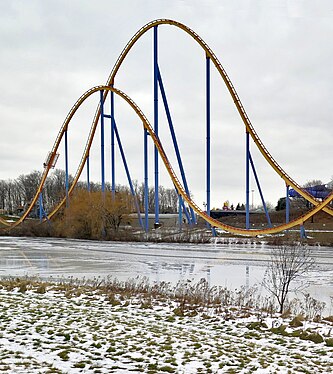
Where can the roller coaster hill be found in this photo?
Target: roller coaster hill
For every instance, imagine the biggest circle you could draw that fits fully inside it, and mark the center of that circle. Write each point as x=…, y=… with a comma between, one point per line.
x=189, y=211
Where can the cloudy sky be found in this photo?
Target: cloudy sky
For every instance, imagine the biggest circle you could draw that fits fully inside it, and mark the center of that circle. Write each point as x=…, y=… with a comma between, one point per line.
x=278, y=54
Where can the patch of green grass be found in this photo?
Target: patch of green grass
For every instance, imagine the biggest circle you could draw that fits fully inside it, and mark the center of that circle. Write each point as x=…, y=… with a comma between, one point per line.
x=321, y=352
x=315, y=338
x=167, y=369
x=329, y=342
x=80, y=365
x=252, y=335
x=5, y=368
x=166, y=347
x=256, y=326
x=171, y=361
x=64, y=355
x=97, y=345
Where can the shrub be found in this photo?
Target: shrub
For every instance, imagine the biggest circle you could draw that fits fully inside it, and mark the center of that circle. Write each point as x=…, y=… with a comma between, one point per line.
x=23, y=287
x=296, y=321
x=281, y=330
x=41, y=288
x=179, y=312
x=315, y=337
x=112, y=300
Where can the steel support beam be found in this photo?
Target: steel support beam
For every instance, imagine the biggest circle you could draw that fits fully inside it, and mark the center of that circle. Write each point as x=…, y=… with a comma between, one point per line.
x=145, y=162
x=208, y=135
x=42, y=212
x=287, y=204
x=156, y=124
x=260, y=191
x=129, y=179
x=302, y=232
x=88, y=173
x=113, y=170
x=66, y=169
x=247, y=182
x=180, y=211
x=175, y=143
x=41, y=206
x=102, y=142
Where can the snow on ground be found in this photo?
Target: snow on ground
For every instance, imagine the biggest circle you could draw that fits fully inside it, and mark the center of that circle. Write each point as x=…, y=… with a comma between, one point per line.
x=70, y=332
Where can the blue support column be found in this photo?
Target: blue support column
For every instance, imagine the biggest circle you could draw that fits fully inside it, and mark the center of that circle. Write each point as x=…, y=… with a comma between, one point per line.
x=180, y=211
x=208, y=134
x=88, y=173
x=174, y=140
x=302, y=232
x=214, y=231
x=156, y=124
x=102, y=142
x=41, y=206
x=287, y=205
x=113, y=171
x=145, y=162
x=42, y=212
x=185, y=210
x=66, y=169
x=247, y=180
x=260, y=191
x=129, y=179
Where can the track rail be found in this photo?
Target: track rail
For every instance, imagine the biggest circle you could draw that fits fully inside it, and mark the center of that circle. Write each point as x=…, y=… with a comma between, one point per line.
x=173, y=175
x=246, y=120
x=248, y=125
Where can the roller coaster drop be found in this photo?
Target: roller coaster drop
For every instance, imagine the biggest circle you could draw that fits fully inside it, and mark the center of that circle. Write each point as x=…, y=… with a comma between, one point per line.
x=182, y=188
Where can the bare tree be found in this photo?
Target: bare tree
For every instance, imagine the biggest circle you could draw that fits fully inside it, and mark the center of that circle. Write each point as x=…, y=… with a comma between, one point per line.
x=313, y=182
x=29, y=184
x=3, y=194
x=330, y=183
x=19, y=192
x=287, y=263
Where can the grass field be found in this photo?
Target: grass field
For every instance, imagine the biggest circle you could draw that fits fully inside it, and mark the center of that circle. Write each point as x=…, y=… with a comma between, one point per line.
x=52, y=328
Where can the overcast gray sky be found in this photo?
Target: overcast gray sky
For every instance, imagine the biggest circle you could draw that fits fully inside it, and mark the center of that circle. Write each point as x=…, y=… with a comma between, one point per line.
x=278, y=55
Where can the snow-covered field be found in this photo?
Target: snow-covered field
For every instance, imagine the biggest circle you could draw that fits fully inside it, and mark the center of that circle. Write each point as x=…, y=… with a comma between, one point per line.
x=72, y=332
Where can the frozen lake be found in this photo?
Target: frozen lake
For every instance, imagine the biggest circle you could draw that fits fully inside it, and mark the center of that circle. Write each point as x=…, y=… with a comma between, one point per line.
x=227, y=265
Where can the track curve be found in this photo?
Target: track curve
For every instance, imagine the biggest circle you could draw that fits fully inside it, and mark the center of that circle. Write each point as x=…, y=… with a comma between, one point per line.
x=178, y=185
x=249, y=128
x=241, y=110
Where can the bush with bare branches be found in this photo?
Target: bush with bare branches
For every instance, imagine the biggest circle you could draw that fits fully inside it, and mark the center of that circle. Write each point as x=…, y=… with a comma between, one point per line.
x=287, y=263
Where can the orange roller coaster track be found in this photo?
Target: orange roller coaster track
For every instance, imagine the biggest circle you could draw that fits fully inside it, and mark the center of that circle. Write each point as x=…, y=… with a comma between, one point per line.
x=249, y=129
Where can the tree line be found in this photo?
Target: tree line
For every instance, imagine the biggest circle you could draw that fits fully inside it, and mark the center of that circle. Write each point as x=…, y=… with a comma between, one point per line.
x=16, y=195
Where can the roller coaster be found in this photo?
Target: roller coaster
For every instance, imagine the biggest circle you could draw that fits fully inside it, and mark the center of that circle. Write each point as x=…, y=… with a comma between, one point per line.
x=187, y=205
